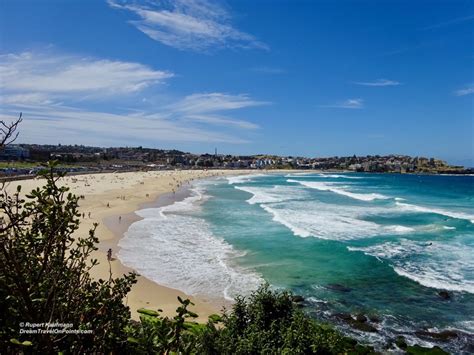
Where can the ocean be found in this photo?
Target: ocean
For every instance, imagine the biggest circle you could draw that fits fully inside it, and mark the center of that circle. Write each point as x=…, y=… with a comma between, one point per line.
x=381, y=245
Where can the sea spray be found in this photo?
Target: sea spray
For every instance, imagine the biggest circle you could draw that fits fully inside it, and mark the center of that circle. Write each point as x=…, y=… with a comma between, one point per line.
x=175, y=248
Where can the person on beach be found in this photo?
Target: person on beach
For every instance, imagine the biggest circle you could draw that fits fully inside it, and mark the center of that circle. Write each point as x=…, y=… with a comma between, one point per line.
x=109, y=254
x=120, y=219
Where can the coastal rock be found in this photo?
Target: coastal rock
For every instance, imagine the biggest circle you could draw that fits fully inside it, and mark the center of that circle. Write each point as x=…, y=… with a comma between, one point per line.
x=360, y=324
x=360, y=318
x=374, y=319
x=297, y=298
x=343, y=316
x=445, y=335
x=365, y=327
x=338, y=288
x=444, y=295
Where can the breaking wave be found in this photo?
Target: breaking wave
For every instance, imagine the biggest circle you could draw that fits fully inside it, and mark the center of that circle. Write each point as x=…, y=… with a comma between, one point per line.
x=333, y=187
x=177, y=249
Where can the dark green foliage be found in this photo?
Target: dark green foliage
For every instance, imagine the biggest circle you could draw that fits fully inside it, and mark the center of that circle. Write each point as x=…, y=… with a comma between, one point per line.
x=418, y=350
x=156, y=334
x=44, y=276
x=267, y=323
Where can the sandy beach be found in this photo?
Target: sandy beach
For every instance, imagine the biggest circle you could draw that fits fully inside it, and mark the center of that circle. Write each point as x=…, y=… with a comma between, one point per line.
x=110, y=199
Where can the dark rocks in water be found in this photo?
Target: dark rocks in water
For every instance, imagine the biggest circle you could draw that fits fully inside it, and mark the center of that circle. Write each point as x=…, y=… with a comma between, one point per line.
x=297, y=298
x=401, y=343
x=360, y=318
x=338, y=288
x=374, y=318
x=419, y=350
x=343, y=316
x=444, y=295
x=359, y=322
x=365, y=327
x=445, y=335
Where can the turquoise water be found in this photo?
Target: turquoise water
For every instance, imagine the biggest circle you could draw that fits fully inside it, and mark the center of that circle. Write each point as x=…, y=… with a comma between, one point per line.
x=389, y=243
x=383, y=245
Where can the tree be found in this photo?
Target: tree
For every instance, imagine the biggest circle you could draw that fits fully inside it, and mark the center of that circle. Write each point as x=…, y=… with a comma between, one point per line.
x=8, y=131
x=45, y=276
x=267, y=322
x=270, y=322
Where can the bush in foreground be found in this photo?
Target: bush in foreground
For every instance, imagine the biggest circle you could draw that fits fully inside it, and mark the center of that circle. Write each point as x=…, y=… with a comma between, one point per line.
x=44, y=278
x=268, y=322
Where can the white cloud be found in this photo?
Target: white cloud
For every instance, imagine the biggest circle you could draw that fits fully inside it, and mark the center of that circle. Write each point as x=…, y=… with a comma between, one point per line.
x=212, y=102
x=349, y=103
x=465, y=91
x=205, y=107
x=58, y=97
x=379, y=82
x=34, y=74
x=68, y=125
x=223, y=121
x=187, y=24
x=26, y=99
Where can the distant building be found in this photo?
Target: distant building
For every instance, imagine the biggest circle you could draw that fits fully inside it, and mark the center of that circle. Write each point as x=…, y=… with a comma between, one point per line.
x=14, y=152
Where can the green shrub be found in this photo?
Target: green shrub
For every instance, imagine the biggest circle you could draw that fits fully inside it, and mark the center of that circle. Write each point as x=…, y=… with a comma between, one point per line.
x=268, y=322
x=156, y=334
x=44, y=276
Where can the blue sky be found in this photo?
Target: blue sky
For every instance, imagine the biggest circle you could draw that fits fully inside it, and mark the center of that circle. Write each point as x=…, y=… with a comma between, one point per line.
x=293, y=77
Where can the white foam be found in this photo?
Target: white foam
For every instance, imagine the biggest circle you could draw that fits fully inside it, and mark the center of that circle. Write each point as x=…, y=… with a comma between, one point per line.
x=467, y=325
x=289, y=206
x=333, y=176
x=308, y=174
x=441, y=265
x=414, y=208
x=327, y=186
x=336, y=176
x=240, y=179
x=273, y=194
x=277, y=217
x=326, y=221
x=178, y=250
x=400, y=229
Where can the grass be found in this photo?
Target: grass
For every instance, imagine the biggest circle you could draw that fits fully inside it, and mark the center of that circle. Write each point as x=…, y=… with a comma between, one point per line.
x=29, y=165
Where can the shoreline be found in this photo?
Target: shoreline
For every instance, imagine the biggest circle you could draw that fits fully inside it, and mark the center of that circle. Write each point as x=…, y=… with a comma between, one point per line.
x=147, y=293
x=167, y=300
x=109, y=195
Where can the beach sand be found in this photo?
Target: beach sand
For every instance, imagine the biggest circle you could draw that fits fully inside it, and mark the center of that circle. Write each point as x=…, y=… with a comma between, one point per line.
x=110, y=199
